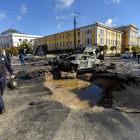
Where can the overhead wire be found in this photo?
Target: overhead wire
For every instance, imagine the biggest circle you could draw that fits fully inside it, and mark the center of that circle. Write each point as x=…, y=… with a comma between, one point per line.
x=35, y=15
x=67, y=20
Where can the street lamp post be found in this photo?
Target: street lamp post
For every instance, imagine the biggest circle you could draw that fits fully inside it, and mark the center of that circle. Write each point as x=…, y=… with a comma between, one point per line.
x=75, y=28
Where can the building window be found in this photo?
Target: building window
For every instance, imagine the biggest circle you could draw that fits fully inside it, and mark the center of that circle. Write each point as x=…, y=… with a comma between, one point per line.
x=54, y=45
x=78, y=42
x=73, y=42
x=31, y=40
x=57, y=44
x=63, y=44
x=109, y=41
x=51, y=39
x=60, y=44
x=90, y=31
x=20, y=40
x=66, y=36
x=46, y=40
x=106, y=32
x=106, y=41
x=49, y=45
x=42, y=40
x=78, y=33
x=54, y=38
x=63, y=36
x=85, y=41
x=87, y=31
x=70, y=43
x=26, y=40
x=70, y=35
x=109, y=33
x=101, y=40
x=101, y=31
x=66, y=43
x=59, y=37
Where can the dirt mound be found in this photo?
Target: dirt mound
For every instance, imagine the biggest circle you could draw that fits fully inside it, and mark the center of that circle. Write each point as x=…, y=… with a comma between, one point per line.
x=32, y=73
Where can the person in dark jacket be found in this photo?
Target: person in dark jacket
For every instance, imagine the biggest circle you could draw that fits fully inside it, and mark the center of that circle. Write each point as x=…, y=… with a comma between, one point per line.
x=8, y=58
x=138, y=57
x=4, y=63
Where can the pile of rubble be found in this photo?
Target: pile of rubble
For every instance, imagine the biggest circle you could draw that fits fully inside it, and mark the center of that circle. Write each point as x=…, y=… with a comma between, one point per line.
x=35, y=72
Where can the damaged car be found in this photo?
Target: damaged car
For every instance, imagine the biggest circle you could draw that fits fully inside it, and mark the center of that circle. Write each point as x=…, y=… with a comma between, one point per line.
x=79, y=62
x=58, y=58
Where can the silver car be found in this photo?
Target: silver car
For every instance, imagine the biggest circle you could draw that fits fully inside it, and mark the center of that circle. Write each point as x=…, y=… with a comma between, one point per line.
x=78, y=62
x=28, y=56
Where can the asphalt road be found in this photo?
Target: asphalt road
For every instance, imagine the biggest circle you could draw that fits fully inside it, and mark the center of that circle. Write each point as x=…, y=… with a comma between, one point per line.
x=50, y=120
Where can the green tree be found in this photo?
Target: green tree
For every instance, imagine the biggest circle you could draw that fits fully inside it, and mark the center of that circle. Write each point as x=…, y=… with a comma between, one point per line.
x=134, y=48
x=29, y=47
x=105, y=49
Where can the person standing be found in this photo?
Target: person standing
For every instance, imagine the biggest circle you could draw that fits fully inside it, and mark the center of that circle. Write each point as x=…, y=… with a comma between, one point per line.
x=4, y=63
x=8, y=58
x=138, y=56
x=22, y=59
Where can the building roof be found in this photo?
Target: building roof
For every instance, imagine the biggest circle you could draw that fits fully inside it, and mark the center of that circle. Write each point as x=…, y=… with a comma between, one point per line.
x=11, y=31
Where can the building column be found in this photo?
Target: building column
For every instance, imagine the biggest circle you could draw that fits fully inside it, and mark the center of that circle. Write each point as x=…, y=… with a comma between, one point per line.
x=96, y=35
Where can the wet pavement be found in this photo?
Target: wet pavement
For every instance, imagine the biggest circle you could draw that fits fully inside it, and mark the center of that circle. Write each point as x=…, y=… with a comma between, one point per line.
x=51, y=120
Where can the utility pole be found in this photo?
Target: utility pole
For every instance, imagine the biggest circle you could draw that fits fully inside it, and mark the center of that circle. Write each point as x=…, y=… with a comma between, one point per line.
x=75, y=29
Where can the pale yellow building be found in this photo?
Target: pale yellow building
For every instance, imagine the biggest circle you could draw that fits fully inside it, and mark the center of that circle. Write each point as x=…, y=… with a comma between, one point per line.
x=95, y=34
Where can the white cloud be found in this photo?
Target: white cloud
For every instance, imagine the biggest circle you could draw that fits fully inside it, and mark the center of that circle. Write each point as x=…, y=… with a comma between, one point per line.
x=71, y=15
x=59, y=25
x=112, y=1
x=2, y=16
x=23, y=9
x=62, y=17
x=83, y=18
x=116, y=19
x=109, y=22
x=139, y=34
x=63, y=4
x=19, y=18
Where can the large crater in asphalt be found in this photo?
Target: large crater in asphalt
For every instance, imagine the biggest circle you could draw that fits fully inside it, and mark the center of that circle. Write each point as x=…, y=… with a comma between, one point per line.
x=79, y=94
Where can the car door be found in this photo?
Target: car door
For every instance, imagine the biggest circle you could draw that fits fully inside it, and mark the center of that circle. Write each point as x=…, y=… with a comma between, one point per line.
x=83, y=62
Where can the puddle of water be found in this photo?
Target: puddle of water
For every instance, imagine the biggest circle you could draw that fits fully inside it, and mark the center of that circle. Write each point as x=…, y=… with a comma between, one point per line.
x=69, y=84
x=79, y=94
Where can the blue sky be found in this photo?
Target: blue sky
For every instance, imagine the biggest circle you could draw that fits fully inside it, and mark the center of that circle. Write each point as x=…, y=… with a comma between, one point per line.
x=55, y=16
